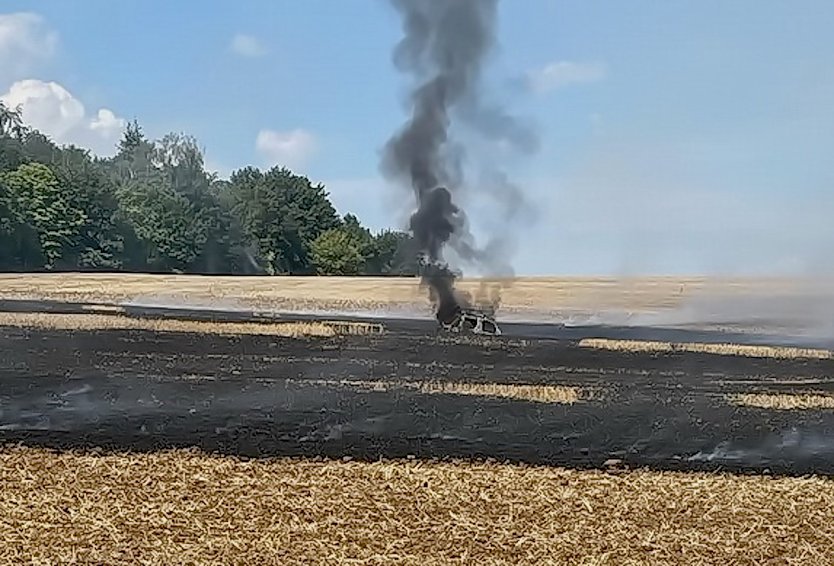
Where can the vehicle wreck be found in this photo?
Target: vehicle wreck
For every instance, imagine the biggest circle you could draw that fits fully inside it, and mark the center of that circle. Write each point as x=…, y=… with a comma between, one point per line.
x=471, y=321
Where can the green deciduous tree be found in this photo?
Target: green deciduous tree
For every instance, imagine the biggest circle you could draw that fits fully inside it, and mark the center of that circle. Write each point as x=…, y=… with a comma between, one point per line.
x=363, y=239
x=395, y=254
x=281, y=213
x=163, y=223
x=389, y=252
x=153, y=206
x=39, y=148
x=337, y=252
x=134, y=155
x=12, y=131
x=241, y=253
x=172, y=217
x=87, y=187
x=132, y=139
x=20, y=247
x=181, y=162
x=47, y=208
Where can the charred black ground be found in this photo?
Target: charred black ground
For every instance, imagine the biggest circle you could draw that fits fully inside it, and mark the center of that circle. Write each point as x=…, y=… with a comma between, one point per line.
x=266, y=396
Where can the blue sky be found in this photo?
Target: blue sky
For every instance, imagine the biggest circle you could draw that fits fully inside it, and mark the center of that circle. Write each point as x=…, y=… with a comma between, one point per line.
x=676, y=137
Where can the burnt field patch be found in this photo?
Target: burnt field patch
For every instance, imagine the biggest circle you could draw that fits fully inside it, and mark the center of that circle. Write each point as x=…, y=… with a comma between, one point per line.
x=436, y=397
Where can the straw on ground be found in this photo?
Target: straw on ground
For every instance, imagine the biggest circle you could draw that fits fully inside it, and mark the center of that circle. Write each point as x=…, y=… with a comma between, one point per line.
x=565, y=294
x=115, y=322
x=523, y=392
x=184, y=507
x=705, y=348
x=783, y=401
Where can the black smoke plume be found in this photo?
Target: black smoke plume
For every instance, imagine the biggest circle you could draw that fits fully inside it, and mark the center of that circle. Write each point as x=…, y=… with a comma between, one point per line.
x=445, y=47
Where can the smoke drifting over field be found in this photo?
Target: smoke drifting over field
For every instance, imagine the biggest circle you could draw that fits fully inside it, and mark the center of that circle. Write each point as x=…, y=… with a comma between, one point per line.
x=445, y=48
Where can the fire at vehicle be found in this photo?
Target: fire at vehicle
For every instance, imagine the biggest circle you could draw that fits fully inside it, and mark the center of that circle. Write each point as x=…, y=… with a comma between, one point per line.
x=471, y=321
x=453, y=309
x=443, y=50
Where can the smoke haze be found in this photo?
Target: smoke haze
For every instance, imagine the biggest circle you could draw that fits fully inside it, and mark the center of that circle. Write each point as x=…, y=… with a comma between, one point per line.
x=444, y=50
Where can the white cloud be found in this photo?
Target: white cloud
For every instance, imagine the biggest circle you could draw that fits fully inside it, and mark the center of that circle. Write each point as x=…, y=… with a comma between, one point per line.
x=247, y=46
x=560, y=74
x=49, y=107
x=290, y=149
x=52, y=109
x=24, y=41
x=107, y=124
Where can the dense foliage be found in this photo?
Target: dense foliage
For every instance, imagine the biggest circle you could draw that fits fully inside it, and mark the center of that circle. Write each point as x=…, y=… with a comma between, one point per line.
x=153, y=207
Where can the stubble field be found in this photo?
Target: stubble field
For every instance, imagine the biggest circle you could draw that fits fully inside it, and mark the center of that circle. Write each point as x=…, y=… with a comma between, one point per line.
x=528, y=295
x=152, y=441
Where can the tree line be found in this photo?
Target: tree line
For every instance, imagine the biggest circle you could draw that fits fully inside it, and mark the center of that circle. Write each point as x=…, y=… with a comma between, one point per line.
x=153, y=207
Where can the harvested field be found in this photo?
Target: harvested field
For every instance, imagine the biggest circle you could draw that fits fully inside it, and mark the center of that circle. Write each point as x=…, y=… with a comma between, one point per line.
x=783, y=401
x=132, y=440
x=717, y=349
x=525, y=294
x=185, y=507
x=105, y=322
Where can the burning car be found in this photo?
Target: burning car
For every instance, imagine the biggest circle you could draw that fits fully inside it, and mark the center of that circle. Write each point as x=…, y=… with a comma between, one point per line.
x=471, y=322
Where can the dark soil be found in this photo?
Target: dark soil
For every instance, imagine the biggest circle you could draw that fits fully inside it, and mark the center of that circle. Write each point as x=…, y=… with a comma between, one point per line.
x=254, y=396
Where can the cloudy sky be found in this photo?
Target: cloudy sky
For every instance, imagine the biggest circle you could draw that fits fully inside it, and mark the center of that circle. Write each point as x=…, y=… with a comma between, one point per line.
x=676, y=137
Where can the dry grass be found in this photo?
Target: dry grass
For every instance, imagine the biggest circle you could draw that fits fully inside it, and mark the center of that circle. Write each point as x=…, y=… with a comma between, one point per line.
x=702, y=348
x=114, y=322
x=537, y=393
x=526, y=293
x=185, y=507
x=783, y=401
x=522, y=392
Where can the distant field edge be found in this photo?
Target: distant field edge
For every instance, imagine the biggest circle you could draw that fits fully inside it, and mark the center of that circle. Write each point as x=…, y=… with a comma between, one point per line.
x=312, y=277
